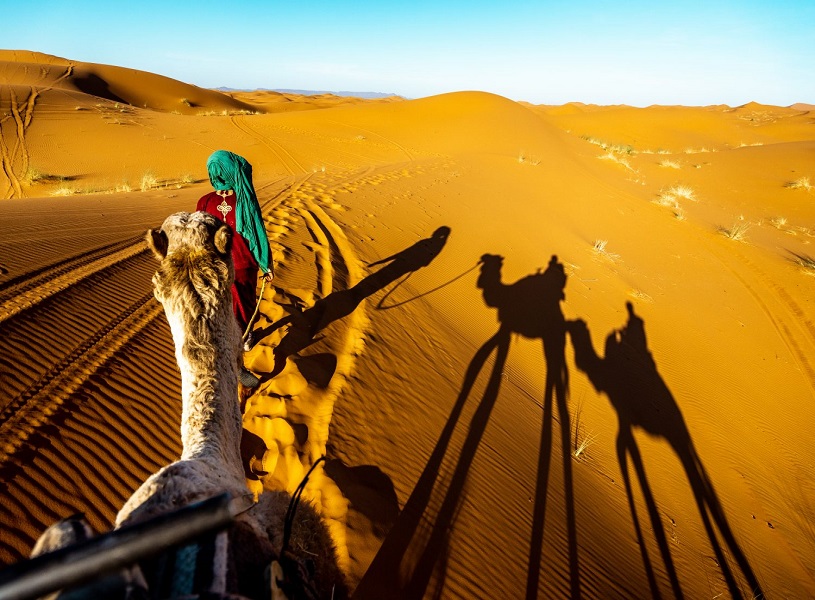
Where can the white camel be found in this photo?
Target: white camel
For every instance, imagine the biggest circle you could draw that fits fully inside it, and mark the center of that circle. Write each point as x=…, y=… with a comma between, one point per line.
x=193, y=282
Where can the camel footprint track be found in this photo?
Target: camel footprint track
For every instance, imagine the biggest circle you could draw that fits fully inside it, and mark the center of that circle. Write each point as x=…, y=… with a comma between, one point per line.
x=277, y=149
x=795, y=330
x=23, y=114
x=34, y=406
x=391, y=141
x=333, y=256
x=23, y=292
x=331, y=259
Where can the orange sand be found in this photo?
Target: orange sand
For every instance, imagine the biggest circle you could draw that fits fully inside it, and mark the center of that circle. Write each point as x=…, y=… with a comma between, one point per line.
x=450, y=473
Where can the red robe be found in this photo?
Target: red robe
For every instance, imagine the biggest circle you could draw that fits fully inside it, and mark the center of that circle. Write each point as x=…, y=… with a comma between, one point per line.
x=246, y=267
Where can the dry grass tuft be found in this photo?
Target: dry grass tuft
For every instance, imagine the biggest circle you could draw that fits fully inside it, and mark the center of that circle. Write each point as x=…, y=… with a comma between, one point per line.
x=736, y=232
x=614, y=152
x=665, y=198
x=31, y=176
x=638, y=294
x=683, y=191
x=613, y=157
x=227, y=113
x=581, y=441
x=525, y=158
x=599, y=248
x=805, y=262
x=148, y=181
x=671, y=196
x=782, y=224
x=581, y=446
x=669, y=164
x=802, y=183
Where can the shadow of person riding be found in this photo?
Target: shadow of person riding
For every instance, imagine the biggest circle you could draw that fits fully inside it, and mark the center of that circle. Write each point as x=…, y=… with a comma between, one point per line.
x=628, y=375
x=306, y=325
x=530, y=307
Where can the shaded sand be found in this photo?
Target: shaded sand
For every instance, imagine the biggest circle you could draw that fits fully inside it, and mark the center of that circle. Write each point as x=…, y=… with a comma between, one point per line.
x=548, y=351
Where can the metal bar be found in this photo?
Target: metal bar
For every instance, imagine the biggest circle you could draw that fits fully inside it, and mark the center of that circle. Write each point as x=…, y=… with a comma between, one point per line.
x=107, y=553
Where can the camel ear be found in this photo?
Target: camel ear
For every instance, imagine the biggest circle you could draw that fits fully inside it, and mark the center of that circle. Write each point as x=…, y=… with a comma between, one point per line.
x=157, y=242
x=223, y=240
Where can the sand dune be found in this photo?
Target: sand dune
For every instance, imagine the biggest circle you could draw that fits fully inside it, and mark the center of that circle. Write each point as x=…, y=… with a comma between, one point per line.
x=270, y=101
x=548, y=351
x=92, y=81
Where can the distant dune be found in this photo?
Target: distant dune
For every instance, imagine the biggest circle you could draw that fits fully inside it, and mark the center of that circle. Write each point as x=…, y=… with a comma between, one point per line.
x=363, y=95
x=548, y=351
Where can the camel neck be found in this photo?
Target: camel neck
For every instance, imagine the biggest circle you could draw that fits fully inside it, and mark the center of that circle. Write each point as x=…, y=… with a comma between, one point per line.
x=207, y=354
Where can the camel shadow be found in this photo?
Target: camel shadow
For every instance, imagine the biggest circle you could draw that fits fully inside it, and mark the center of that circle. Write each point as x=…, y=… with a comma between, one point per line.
x=369, y=491
x=529, y=307
x=628, y=375
x=307, y=324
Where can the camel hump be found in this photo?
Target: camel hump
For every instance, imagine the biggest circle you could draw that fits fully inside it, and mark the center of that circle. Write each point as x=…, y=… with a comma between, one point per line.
x=531, y=286
x=538, y=288
x=532, y=305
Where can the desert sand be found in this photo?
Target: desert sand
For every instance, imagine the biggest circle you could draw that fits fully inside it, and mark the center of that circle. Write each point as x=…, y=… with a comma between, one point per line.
x=632, y=420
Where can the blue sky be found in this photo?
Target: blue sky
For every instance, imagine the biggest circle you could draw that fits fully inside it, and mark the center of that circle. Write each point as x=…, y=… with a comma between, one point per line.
x=639, y=53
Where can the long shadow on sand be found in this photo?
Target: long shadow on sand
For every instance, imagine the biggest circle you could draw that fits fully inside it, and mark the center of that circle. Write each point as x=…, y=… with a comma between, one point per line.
x=307, y=324
x=529, y=307
x=628, y=376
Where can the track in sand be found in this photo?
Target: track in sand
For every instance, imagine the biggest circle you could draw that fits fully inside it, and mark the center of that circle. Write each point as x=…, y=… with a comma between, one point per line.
x=14, y=156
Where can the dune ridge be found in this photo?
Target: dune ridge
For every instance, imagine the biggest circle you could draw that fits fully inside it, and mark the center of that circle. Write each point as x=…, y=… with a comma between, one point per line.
x=466, y=457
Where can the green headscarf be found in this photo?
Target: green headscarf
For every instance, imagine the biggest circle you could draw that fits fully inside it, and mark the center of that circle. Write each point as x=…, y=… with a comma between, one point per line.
x=228, y=171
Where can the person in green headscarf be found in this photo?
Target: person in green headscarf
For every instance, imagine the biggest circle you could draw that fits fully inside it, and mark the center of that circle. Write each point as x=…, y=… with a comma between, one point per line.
x=235, y=203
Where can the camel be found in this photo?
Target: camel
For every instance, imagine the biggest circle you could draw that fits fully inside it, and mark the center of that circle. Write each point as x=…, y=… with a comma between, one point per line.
x=193, y=283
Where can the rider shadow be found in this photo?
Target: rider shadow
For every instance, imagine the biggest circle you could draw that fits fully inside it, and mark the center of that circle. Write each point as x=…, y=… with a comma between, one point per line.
x=529, y=307
x=306, y=325
x=628, y=375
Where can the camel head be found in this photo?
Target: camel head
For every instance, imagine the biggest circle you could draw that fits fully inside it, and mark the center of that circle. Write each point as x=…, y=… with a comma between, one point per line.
x=490, y=270
x=190, y=232
x=195, y=252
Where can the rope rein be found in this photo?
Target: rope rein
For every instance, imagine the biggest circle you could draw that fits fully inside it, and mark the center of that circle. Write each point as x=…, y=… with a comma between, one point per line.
x=297, y=576
x=292, y=510
x=254, y=314
x=381, y=304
